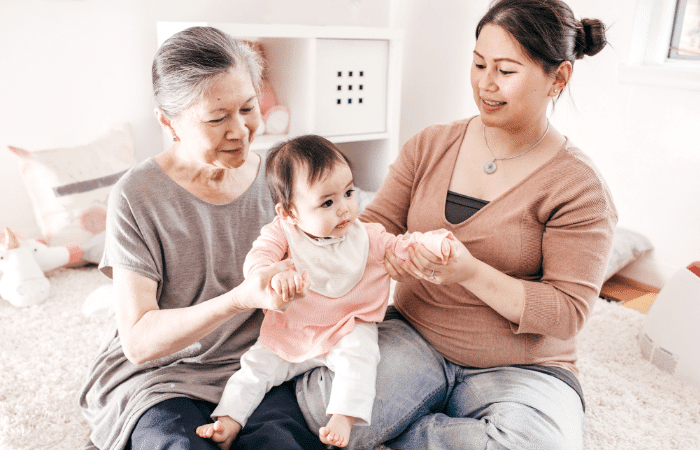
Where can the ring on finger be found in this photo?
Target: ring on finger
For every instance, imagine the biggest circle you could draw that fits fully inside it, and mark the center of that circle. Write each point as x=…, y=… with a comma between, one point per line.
x=432, y=275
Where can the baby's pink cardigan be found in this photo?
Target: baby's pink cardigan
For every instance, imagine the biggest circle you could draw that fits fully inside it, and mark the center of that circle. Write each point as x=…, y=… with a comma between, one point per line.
x=314, y=324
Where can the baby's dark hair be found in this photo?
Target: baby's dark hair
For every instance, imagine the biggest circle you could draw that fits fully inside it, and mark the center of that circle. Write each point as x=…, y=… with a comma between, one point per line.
x=547, y=30
x=315, y=153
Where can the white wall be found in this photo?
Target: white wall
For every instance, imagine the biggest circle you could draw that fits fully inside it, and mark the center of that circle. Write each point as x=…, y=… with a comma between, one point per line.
x=71, y=69
x=644, y=139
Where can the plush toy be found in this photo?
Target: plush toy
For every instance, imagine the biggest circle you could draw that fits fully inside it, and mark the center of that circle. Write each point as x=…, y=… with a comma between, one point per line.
x=275, y=117
x=23, y=264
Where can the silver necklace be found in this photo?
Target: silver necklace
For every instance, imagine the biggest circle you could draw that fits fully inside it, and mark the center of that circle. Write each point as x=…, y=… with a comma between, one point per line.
x=490, y=167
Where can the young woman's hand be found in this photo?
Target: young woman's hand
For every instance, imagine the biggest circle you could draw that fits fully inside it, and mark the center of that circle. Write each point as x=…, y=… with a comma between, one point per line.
x=395, y=267
x=459, y=267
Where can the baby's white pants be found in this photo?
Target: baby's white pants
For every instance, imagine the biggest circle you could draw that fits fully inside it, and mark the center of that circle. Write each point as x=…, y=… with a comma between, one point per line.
x=353, y=360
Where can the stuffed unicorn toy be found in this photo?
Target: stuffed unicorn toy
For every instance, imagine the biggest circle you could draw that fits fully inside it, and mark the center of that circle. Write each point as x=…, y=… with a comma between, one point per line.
x=23, y=264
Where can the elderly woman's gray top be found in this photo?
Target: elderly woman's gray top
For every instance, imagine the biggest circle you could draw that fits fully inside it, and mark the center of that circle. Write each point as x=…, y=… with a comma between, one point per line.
x=195, y=251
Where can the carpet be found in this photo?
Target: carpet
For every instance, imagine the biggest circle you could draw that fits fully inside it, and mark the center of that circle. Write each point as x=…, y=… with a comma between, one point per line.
x=45, y=351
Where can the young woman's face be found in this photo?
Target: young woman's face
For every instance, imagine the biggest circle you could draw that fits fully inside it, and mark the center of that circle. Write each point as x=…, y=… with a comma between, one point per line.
x=509, y=88
x=218, y=129
x=329, y=206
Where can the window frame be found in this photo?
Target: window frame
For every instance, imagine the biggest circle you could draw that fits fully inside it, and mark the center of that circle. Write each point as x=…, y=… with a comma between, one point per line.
x=676, y=33
x=649, y=62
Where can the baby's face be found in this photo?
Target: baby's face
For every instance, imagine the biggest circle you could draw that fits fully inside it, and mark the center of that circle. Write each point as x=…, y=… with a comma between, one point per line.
x=329, y=206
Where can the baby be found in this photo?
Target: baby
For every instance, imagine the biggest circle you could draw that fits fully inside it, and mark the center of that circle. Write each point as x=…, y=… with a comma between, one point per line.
x=334, y=324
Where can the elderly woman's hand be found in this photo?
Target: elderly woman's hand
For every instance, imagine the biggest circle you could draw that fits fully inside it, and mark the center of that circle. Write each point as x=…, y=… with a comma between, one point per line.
x=287, y=286
x=257, y=291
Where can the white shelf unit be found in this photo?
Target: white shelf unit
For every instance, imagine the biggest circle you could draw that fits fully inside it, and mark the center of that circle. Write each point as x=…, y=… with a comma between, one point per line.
x=299, y=57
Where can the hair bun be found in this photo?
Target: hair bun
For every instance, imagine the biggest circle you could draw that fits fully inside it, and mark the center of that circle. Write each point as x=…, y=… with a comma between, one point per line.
x=590, y=38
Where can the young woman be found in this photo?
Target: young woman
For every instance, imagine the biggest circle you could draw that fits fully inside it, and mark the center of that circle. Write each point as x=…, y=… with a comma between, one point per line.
x=481, y=352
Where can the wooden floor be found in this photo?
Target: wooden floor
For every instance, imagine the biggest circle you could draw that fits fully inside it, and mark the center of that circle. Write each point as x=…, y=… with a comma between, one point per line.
x=630, y=293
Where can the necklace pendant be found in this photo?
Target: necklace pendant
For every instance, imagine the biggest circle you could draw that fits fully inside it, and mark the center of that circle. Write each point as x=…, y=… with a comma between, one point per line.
x=490, y=167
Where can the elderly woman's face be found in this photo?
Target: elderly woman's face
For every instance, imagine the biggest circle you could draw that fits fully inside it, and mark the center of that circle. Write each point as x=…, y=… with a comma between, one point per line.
x=218, y=129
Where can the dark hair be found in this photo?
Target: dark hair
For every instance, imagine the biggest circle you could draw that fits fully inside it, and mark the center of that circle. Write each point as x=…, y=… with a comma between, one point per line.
x=315, y=153
x=189, y=63
x=546, y=30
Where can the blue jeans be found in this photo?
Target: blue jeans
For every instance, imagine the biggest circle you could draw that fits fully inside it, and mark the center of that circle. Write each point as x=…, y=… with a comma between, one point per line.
x=277, y=424
x=426, y=402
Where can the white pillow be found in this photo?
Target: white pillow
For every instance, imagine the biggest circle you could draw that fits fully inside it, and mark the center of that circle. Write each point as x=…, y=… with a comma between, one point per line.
x=364, y=198
x=628, y=246
x=69, y=188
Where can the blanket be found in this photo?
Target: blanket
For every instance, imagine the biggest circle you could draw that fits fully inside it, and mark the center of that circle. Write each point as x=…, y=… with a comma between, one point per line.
x=45, y=351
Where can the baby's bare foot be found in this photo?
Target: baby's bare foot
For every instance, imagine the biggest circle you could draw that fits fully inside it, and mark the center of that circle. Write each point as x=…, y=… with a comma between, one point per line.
x=222, y=432
x=337, y=430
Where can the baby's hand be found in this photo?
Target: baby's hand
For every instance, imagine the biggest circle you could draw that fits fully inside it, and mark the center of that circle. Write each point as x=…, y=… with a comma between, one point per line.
x=447, y=248
x=289, y=285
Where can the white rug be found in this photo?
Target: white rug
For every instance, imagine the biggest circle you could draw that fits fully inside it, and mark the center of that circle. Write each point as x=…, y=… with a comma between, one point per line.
x=45, y=351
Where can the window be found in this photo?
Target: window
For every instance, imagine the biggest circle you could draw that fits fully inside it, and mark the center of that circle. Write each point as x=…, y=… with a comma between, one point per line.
x=665, y=45
x=685, y=40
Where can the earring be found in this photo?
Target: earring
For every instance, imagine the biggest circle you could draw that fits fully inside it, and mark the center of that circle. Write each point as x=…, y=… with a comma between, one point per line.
x=556, y=90
x=175, y=139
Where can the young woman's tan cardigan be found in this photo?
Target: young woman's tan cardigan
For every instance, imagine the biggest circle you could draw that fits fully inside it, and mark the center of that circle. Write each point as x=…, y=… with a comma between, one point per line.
x=553, y=231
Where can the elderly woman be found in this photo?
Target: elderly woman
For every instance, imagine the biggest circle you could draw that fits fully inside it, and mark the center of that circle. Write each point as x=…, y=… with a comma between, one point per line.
x=179, y=227
x=481, y=353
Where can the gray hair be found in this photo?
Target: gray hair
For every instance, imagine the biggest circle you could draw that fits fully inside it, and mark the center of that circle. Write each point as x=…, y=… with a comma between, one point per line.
x=191, y=61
